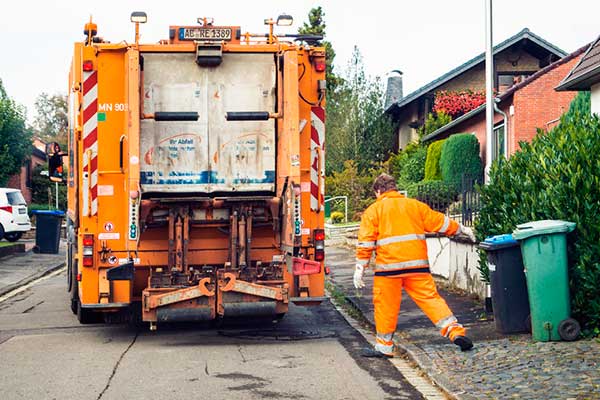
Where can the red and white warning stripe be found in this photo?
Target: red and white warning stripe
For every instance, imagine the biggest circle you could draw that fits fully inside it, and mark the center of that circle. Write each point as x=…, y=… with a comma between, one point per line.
x=90, y=142
x=317, y=154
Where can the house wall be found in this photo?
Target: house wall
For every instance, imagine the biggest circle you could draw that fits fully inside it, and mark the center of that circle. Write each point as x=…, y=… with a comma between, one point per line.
x=19, y=181
x=476, y=125
x=524, y=62
x=538, y=105
x=473, y=79
x=595, y=90
x=405, y=133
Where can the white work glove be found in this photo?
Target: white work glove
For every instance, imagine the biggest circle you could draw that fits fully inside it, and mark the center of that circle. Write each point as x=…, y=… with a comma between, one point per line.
x=464, y=232
x=359, y=271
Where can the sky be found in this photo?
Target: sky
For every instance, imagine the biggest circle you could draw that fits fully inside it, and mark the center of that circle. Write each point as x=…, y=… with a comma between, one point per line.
x=423, y=39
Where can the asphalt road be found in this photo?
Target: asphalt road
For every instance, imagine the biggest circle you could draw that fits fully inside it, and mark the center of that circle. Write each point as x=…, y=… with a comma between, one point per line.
x=312, y=354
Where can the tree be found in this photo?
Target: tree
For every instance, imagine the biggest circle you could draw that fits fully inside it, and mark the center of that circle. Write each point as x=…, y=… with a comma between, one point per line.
x=357, y=127
x=51, y=120
x=316, y=26
x=15, y=138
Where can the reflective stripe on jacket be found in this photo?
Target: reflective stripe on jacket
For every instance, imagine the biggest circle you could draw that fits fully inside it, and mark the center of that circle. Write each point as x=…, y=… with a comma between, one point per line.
x=394, y=227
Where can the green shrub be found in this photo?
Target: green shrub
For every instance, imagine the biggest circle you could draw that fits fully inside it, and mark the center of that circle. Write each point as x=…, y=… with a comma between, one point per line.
x=433, y=122
x=437, y=194
x=460, y=156
x=337, y=217
x=357, y=186
x=433, y=171
x=408, y=166
x=556, y=176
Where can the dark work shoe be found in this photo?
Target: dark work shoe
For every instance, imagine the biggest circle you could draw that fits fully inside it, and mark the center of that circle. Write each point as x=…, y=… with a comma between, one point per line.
x=372, y=353
x=463, y=342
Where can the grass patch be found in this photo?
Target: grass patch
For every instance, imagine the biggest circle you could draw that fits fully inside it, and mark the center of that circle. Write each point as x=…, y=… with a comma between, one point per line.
x=339, y=299
x=7, y=244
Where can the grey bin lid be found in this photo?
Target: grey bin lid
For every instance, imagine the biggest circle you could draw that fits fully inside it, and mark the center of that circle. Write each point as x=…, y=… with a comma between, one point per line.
x=545, y=227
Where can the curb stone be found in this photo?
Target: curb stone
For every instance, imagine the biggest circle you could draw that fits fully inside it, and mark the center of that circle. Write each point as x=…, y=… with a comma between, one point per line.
x=31, y=278
x=423, y=362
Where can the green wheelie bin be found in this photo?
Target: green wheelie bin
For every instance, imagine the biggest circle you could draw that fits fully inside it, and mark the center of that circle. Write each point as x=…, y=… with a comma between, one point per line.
x=544, y=249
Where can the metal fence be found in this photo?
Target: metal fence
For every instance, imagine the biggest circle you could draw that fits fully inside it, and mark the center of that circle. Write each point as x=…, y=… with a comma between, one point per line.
x=461, y=204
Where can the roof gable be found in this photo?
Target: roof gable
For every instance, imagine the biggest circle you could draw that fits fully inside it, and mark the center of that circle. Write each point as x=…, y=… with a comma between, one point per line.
x=506, y=94
x=524, y=34
x=586, y=72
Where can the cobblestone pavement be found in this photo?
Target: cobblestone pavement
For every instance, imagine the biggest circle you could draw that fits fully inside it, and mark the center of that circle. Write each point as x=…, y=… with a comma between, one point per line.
x=499, y=367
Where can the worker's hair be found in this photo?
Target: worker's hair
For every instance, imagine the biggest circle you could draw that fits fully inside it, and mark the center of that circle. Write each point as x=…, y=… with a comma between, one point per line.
x=384, y=183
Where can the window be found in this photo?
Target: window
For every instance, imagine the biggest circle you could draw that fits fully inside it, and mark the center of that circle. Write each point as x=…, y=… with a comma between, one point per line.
x=504, y=80
x=499, y=138
x=15, y=198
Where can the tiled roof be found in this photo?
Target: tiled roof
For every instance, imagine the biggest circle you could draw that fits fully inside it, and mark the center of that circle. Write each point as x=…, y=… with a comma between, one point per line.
x=586, y=72
x=524, y=34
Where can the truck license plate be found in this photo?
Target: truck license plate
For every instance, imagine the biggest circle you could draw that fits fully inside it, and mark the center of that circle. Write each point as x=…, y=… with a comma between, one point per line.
x=204, y=33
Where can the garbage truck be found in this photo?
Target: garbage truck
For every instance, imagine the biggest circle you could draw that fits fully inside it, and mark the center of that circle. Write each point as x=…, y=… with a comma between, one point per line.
x=195, y=174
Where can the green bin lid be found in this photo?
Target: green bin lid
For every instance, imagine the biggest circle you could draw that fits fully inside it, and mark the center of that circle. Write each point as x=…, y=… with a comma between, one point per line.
x=545, y=227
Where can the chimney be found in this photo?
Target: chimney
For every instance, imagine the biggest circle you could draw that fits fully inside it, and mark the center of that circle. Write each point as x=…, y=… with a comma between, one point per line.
x=393, y=92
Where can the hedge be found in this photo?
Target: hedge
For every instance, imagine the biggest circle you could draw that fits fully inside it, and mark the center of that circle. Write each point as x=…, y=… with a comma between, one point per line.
x=433, y=171
x=460, y=156
x=556, y=176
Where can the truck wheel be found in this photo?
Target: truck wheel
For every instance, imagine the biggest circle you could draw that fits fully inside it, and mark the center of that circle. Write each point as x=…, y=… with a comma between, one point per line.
x=13, y=236
x=1, y=231
x=569, y=329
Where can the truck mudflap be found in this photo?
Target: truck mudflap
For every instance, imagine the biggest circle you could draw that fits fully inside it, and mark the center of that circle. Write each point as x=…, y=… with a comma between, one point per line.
x=230, y=297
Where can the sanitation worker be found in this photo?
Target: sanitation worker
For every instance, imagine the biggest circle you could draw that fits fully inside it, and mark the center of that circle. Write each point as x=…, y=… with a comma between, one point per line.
x=394, y=228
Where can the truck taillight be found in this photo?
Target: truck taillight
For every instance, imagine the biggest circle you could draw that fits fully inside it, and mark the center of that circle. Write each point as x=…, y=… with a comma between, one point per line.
x=320, y=64
x=88, y=250
x=88, y=65
x=319, y=235
x=7, y=209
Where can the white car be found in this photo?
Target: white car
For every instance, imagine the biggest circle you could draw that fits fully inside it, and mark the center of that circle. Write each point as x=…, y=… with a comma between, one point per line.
x=13, y=215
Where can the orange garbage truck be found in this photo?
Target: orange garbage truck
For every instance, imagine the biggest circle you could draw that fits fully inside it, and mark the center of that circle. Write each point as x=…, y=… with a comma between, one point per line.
x=195, y=174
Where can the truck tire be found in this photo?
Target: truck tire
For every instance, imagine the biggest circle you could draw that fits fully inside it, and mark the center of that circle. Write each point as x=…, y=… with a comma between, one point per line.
x=87, y=316
x=13, y=236
x=1, y=231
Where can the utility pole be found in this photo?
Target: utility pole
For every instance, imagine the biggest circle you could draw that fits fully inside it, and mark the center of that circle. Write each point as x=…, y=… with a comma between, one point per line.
x=489, y=89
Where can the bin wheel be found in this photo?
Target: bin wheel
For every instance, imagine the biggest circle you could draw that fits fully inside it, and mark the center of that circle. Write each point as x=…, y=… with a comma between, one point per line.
x=569, y=329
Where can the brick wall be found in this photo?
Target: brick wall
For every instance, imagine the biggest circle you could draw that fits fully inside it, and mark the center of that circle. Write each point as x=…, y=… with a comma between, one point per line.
x=538, y=105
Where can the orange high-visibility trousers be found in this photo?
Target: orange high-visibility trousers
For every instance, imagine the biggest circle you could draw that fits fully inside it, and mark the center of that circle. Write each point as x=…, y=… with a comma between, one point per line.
x=387, y=295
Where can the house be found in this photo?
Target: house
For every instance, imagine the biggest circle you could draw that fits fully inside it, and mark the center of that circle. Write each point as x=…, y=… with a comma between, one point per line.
x=524, y=107
x=515, y=59
x=22, y=180
x=586, y=75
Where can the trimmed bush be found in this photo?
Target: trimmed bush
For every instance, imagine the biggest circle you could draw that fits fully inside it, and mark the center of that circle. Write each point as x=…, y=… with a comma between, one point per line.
x=337, y=217
x=556, y=176
x=433, y=171
x=436, y=194
x=460, y=156
x=408, y=166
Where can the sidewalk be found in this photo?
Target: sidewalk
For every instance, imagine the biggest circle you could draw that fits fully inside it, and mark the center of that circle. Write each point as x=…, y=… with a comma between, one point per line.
x=499, y=367
x=20, y=269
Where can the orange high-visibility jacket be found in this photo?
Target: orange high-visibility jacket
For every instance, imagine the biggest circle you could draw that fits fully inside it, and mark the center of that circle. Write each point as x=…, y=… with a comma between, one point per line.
x=394, y=227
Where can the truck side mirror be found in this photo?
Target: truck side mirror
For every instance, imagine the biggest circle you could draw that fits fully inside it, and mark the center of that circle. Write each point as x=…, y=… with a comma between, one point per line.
x=55, y=162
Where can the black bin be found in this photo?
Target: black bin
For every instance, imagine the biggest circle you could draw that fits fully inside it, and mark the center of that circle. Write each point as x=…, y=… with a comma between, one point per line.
x=509, y=288
x=47, y=231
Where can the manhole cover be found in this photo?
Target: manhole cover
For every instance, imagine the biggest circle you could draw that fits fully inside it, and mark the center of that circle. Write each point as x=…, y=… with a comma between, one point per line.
x=278, y=334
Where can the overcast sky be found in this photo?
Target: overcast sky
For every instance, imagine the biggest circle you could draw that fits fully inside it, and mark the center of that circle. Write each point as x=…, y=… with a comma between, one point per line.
x=424, y=39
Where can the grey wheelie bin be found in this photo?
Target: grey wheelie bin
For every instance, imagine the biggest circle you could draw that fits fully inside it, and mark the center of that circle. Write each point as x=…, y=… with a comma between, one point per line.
x=509, y=289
